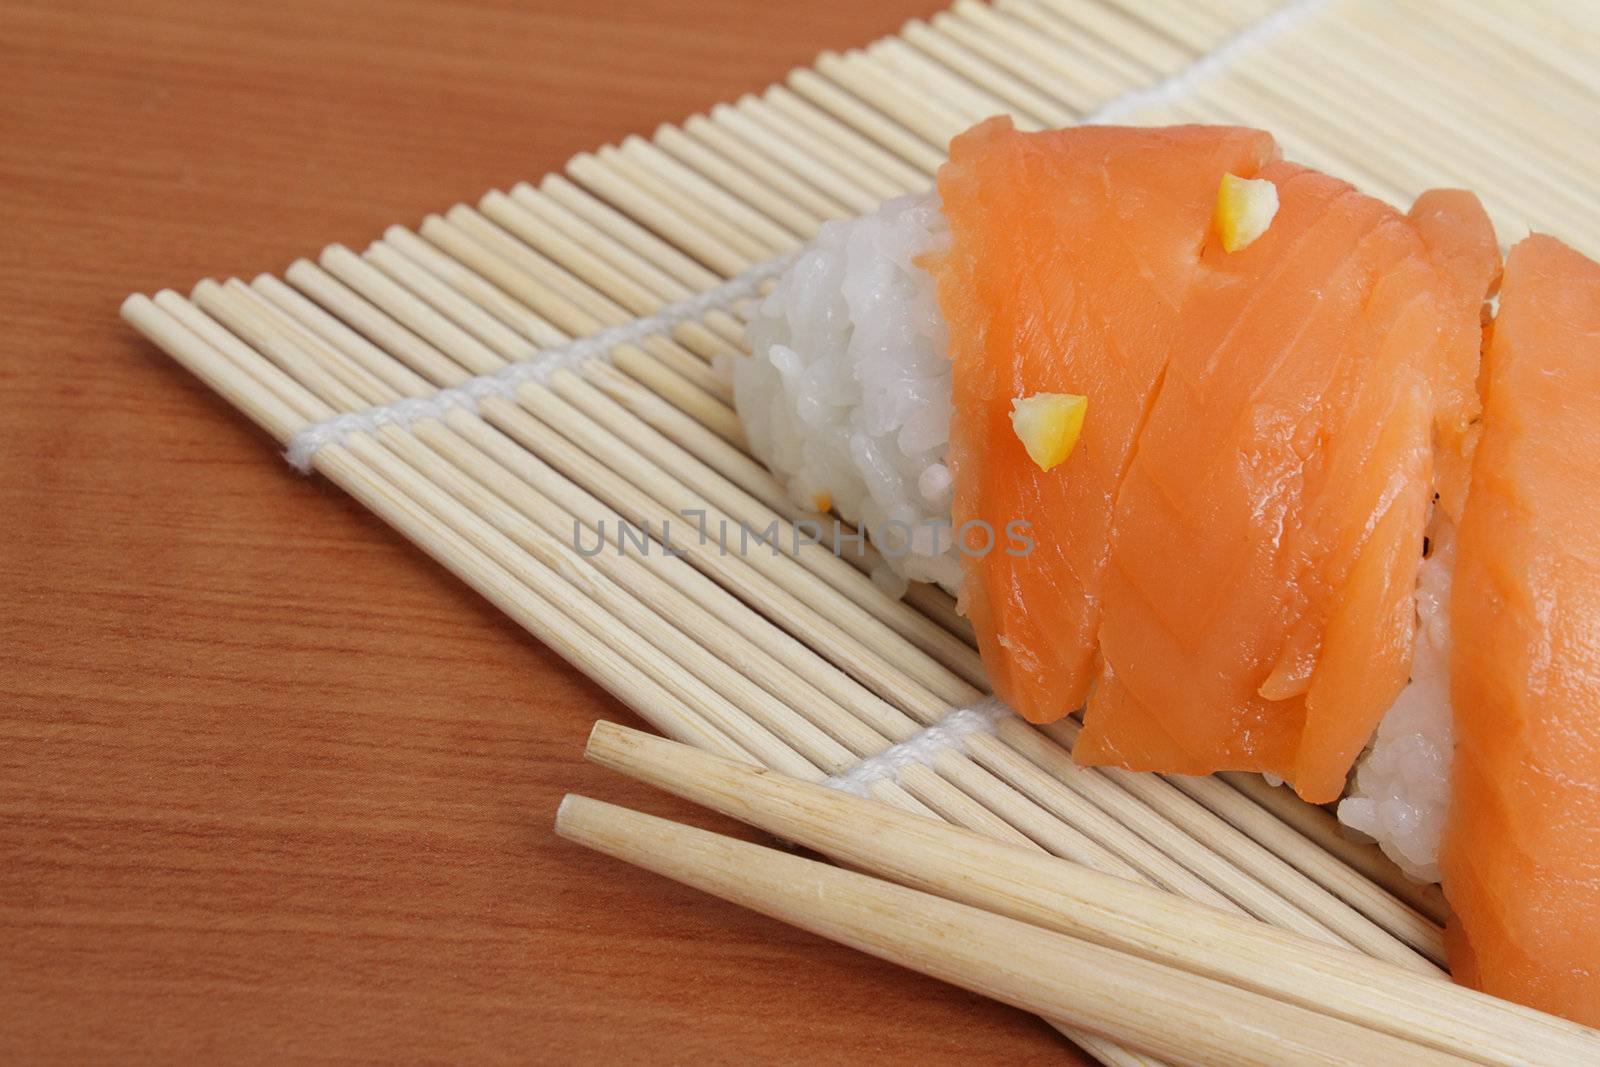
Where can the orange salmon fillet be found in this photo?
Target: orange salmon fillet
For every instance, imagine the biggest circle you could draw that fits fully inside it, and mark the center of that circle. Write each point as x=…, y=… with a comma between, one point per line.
x=1071, y=255
x=1225, y=567
x=1259, y=609
x=1521, y=852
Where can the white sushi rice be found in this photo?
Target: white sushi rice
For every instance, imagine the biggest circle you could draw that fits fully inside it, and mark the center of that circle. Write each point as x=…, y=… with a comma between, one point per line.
x=846, y=398
x=846, y=395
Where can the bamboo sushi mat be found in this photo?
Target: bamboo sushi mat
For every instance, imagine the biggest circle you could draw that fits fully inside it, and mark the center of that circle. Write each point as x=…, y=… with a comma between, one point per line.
x=644, y=252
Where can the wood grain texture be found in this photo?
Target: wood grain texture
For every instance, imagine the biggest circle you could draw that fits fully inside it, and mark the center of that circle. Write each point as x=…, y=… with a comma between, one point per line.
x=273, y=786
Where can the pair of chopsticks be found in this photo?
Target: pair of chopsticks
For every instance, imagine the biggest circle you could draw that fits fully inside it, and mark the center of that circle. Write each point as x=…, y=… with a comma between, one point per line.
x=1176, y=980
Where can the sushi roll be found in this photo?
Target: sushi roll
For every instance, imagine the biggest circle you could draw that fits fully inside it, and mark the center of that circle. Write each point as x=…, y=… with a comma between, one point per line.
x=1211, y=451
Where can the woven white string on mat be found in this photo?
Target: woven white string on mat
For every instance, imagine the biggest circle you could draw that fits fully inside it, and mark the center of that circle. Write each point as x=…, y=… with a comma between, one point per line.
x=922, y=747
x=303, y=447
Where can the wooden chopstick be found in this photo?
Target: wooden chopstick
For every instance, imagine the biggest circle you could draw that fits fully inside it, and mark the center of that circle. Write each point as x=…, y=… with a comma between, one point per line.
x=1179, y=1016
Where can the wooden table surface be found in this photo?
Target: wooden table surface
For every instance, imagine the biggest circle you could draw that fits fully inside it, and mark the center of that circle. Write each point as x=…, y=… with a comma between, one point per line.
x=272, y=785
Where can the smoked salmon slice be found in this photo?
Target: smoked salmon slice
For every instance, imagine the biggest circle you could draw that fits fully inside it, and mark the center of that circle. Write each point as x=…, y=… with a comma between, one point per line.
x=1259, y=608
x=1521, y=851
x=1071, y=255
x=1228, y=558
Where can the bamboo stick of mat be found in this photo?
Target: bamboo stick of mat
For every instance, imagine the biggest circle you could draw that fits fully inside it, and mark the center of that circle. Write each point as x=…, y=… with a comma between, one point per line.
x=1181, y=1017
x=1067, y=897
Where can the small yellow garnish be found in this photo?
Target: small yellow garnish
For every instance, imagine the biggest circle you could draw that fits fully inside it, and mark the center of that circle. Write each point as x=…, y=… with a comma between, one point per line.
x=822, y=502
x=1245, y=207
x=1048, y=425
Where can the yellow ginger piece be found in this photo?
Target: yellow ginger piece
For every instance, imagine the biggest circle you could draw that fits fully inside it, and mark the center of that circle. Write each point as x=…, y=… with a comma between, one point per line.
x=1048, y=425
x=1245, y=208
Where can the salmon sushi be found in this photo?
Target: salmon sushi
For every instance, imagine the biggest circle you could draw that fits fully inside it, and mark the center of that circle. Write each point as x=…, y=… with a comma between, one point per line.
x=1270, y=410
x=1198, y=437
